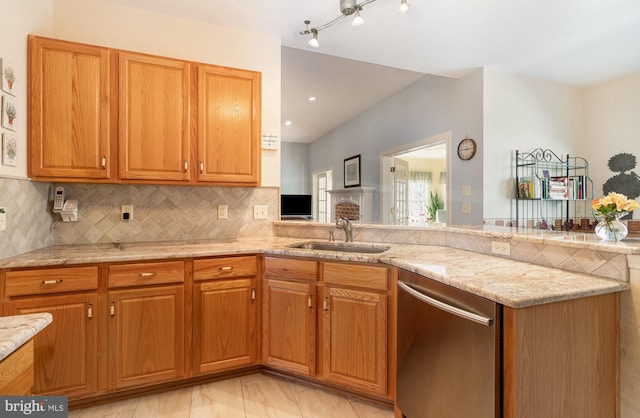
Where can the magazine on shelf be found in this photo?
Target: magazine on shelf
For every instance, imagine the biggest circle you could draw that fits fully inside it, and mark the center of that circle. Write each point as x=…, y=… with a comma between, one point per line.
x=558, y=188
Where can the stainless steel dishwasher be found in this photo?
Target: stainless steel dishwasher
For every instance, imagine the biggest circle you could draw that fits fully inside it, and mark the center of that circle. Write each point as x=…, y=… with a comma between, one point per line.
x=448, y=351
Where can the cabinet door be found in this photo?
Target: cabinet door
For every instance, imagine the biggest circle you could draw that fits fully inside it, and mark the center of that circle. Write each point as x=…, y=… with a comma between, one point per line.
x=355, y=339
x=66, y=351
x=146, y=336
x=229, y=125
x=224, y=325
x=290, y=326
x=69, y=112
x=154, y=118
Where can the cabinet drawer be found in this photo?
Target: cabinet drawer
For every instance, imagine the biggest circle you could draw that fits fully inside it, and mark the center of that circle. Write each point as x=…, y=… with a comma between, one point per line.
x=290, y=268
x=140, y=274
x=56, y=280
x=221, y=268
x=359, y=275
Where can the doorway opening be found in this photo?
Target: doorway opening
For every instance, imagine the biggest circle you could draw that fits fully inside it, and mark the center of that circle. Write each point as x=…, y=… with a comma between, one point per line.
x=410, y=175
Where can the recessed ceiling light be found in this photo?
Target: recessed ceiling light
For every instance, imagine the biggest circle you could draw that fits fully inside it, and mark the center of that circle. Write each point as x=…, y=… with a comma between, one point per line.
x=287, y=123
x=311, y=98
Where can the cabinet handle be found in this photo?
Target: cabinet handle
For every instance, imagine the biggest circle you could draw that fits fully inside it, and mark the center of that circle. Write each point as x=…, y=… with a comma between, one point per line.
x=309, y=302
x=104, y=162
x=201, y=167
x=90, y=311
x=112, y=309
x=186, y=166
x=145, y=275
x=57, y=281
x=225, y=269
x=325, y=304
x=253, y=294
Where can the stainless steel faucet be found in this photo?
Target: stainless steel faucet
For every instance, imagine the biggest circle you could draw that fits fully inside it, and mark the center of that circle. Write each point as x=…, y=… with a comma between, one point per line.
x=345, y=224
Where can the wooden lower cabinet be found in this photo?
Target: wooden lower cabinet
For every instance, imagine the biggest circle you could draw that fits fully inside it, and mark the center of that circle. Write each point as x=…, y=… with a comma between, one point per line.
x=346, y=340
x=355, y=339
x=224, y=325
x=290, y=326
x=146, y=336
x=66, y=351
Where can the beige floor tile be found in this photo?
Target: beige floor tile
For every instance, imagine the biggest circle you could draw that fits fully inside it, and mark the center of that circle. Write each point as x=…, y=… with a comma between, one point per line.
x=370, y=410
x=174, y=404
x=221, y=399
x=118, y=409
x=270, y=398
x=319, y=404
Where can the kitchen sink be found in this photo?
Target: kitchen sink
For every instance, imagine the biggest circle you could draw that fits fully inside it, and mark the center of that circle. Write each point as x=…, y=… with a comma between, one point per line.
x=344, y=247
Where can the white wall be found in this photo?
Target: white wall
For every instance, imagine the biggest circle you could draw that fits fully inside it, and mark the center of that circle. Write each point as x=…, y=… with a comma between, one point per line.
x=296, y=174
x=100, y=23
x=17, y=20
x=612, y=125
x=522, y=113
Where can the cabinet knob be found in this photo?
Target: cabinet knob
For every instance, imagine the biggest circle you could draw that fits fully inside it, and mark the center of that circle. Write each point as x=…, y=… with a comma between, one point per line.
x=325, y=304
x=56, y=281
x=201, y=167
x=112, y=309
x=147, y=275
x=309, y=302
x=90, y=311
x=225, y=269
x=104, y=162
x=253, y=294
x=186, y=166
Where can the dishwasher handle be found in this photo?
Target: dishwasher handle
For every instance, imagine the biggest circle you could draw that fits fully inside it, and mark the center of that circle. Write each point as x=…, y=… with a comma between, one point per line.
x=445, y=307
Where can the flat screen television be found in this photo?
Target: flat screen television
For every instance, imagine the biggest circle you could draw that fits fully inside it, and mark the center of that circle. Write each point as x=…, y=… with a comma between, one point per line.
x=295, y=206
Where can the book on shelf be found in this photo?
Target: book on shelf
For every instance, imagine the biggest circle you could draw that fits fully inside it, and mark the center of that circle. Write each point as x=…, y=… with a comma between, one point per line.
x=558, y=188
x=529, y=188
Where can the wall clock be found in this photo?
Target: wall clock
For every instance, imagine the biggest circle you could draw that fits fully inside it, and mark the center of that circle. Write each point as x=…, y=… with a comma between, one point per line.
x=467, y=149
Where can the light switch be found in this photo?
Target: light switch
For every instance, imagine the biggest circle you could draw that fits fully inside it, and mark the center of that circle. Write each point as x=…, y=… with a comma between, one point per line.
x=466, y=190
x=223, y=212
x=466, y=208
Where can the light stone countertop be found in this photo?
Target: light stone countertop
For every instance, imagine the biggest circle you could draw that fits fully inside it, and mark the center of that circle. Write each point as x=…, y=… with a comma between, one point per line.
x=511, y=283
x=18, y=329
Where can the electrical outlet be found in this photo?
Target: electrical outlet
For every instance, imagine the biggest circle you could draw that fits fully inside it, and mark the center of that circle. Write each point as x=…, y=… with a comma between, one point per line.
x=3, y=219
x=466, y=190
x=260, y=211
x=127, y=212
x=466, y=208
x=223, y=212
x=501, y=248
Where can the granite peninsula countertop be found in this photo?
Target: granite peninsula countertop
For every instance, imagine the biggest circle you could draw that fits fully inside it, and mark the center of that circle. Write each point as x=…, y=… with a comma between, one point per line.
x=18, y=329
x=512, y=283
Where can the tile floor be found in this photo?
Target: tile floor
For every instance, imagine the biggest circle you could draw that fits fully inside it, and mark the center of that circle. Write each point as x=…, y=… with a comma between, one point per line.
x=256, y=395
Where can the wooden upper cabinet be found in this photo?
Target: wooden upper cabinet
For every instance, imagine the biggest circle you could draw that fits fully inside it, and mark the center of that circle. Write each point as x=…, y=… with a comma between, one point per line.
x=154, y=118
x=229, y=124
x=70, y=114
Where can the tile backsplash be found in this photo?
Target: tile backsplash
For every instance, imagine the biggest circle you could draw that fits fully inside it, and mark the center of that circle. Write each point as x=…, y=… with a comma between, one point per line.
x=164, y=213
x=29, y=223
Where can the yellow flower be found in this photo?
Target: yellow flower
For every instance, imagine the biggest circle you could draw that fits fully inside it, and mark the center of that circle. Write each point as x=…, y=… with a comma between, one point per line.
x=613, y=204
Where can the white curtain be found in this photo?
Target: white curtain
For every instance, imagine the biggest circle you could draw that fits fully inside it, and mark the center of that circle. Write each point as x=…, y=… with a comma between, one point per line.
x=419, y=187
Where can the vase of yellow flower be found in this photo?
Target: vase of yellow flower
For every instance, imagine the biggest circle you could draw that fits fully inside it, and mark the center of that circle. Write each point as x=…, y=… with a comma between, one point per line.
x=608, y=210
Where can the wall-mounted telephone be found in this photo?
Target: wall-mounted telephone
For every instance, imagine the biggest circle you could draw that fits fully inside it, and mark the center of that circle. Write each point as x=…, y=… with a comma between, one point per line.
x=58, y=200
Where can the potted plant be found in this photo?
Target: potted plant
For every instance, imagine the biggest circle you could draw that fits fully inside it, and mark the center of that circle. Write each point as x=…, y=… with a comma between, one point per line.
x=435, y=204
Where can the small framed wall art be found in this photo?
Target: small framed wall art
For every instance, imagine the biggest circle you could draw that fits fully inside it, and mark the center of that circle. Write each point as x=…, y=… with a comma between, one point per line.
x=9, y=149
x=9, y=112
x=8, y=74
x=352, y=171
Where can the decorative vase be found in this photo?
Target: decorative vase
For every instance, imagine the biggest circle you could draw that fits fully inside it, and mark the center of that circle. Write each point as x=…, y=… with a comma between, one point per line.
x=610, y=228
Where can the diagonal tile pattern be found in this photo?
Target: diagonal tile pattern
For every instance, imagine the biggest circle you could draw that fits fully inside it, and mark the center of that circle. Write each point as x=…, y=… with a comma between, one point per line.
x=252, y=396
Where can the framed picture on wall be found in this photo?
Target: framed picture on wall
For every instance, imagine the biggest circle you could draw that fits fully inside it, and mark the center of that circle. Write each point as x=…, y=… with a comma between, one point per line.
x=9, y=112
x=8, y=73
x=9, y=149
x=352, y=171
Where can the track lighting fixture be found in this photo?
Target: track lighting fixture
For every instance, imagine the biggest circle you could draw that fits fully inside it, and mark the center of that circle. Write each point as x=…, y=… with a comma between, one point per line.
x=347, y=8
